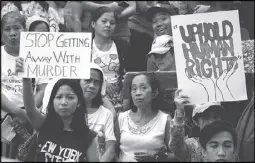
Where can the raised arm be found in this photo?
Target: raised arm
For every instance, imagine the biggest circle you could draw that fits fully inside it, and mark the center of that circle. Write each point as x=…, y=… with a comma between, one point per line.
x=39, y=94
x=90, y=6
x=177, y=142
x=9, y=107
x=35, y=117
x=75, y=21
x=129, y=11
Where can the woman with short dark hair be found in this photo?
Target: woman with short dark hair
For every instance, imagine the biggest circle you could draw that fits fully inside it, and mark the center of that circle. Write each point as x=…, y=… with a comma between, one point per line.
x=143, y=131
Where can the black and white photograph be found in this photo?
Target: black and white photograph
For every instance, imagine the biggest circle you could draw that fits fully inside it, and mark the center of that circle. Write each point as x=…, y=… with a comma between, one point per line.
x=127, y=81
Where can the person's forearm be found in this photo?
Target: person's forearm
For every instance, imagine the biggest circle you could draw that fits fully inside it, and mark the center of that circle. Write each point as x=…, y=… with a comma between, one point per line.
x=143, y=6
x=91, y=6
x=39, y=97
x=35, y=117
x=77, y=25
x=109, y=153
x=9, y=107
x=177, y=142
x=129, y=11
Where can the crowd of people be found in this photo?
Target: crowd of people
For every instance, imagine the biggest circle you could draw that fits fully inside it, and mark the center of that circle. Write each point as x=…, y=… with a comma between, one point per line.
x=77, y=120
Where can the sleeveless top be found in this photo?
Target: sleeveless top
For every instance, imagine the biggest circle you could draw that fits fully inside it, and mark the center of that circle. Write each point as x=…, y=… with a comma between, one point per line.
x=148, y=138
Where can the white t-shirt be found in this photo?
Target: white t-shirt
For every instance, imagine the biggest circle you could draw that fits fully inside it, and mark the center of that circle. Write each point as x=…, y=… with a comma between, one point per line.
x=148, y=138
x=11, y=84
x=108, y=61
x=102, y=120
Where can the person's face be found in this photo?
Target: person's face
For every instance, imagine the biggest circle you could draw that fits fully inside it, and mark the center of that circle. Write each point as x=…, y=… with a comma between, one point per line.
x=141, y=91
x=161, y=24
x=207, y=118
x=164, y=61
x=11, y=32
x=91, y=86
x=41, y=27
x=220, y=148
x=65, y=101
x=105, y=25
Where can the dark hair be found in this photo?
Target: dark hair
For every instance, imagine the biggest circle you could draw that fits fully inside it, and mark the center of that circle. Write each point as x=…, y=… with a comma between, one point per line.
x=150, y=76
x=53, y=123
x=16, y=15
x=215, y=127
x=35, y=23
x=98, y=100
x=100, y=11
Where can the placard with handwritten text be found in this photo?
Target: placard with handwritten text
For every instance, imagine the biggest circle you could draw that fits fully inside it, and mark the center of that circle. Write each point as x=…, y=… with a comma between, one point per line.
x=56, y=54
x=208, y=55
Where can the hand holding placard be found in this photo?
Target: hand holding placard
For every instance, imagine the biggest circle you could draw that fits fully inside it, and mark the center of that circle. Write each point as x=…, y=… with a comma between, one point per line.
x=19, y=65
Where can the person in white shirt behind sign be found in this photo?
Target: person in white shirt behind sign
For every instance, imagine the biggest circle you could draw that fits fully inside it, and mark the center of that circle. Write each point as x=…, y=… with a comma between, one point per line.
x=100, y=119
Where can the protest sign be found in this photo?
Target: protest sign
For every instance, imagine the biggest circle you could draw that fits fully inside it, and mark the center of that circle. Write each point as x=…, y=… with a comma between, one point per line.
x=56, y=54
x=208, y=55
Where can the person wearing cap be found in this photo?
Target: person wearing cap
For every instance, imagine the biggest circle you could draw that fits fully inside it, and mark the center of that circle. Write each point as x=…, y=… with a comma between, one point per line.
x=219, y=142
x=160, y=17
x=100, y=119
x=162, y=50
x=189, y=149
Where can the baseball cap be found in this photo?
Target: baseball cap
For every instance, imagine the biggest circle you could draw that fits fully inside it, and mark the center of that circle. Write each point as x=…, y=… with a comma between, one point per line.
x=35, y=18
x=201, y=108
x=161, y=44
x=165, y=8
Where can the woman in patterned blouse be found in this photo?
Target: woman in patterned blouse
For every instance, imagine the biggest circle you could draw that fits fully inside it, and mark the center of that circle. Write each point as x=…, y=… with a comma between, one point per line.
x=143, y=130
